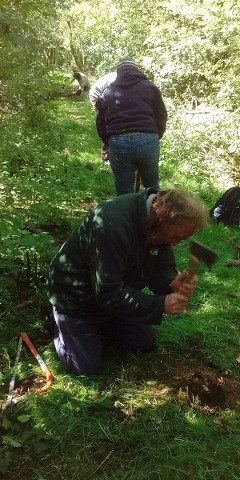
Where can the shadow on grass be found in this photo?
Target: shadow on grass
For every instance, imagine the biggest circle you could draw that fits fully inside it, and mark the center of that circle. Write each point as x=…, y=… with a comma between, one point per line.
x=137, y=427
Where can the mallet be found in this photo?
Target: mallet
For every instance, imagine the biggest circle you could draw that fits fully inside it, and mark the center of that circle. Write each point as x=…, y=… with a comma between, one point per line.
x=200, y=253
x=138, y=181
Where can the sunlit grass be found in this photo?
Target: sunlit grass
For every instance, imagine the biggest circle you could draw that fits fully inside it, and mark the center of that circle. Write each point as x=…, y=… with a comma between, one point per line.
x=127, y=423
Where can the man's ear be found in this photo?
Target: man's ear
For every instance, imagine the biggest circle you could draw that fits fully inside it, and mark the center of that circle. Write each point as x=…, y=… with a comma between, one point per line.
x=154, y=207
x=152, y=212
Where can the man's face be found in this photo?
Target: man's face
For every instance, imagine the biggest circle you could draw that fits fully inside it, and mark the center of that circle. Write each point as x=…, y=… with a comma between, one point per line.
x=174, y=234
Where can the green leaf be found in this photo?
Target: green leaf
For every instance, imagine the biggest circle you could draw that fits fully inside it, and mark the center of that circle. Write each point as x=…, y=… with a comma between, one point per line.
x=9, y=201
x=40, y=446
x=9, y=243
x=20, y=41
x=23, y=418
x=26, y=435
x=6, y=424
x=7, y=440
x=104, y=402
x=4, y=462
x=29, y=240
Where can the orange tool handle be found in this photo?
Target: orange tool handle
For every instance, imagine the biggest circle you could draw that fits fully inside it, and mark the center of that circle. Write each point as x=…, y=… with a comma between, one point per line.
x=41, y=362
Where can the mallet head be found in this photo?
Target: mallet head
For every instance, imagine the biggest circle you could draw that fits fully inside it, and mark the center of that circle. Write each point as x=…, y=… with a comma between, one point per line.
x=203, y=253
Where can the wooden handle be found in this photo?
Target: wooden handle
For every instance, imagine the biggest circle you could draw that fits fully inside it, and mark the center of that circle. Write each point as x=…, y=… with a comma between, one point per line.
x=138, y=181
x=193, y=267
x=232, y=263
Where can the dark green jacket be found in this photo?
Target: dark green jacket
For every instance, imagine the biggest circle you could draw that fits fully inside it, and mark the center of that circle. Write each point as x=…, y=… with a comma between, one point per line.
x=106, y=262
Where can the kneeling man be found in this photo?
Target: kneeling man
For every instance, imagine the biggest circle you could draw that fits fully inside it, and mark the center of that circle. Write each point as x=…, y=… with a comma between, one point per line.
x=96, y=281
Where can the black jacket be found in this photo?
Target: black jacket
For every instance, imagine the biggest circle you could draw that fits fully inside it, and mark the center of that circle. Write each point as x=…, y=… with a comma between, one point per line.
x=130, y=104
x=106, y=263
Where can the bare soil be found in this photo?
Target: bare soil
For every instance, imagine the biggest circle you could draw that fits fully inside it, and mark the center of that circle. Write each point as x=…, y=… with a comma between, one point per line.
x=192, y=382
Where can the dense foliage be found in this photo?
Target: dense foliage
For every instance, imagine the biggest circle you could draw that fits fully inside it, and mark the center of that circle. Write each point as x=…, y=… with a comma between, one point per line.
x=190, y=48
x=131, y=422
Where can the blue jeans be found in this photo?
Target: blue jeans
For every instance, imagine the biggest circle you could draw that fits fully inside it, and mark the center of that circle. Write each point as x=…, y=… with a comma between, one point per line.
x=132, y=151
x=78, y=339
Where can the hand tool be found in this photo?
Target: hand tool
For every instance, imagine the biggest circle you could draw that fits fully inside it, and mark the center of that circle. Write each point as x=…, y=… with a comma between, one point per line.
x=230, y=262
x=234, y=263
x=45, y=369
x=138, y=181
x=200, y=253
x=41, y=363
x=12, y=382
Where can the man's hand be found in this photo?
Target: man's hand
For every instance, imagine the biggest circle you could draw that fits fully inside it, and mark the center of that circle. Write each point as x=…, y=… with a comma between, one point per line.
x=182, y=285
x=183, y=289
x=175, y=303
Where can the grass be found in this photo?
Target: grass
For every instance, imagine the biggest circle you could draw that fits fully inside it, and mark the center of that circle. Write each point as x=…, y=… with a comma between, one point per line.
x=145, y=417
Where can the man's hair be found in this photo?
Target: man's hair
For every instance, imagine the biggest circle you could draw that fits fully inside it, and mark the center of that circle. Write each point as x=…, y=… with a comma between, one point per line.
x=77, y=75
x=177, y=206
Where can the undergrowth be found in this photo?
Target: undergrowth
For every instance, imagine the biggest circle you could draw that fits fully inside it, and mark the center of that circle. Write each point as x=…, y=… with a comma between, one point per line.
x=130, y=422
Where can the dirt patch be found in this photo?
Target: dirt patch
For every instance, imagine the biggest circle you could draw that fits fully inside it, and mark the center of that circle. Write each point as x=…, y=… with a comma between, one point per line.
x=194, y=383
x=206, y=387
x=30, y=384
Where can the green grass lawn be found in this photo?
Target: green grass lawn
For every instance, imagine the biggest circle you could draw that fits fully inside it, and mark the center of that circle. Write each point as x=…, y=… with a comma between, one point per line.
x=169, y=415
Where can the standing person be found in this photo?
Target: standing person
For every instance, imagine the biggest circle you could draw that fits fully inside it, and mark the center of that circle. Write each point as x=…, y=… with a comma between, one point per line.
x=99, y=86
x=95, y=91
x=95, y=281
x=84, y=84
x=131, y=117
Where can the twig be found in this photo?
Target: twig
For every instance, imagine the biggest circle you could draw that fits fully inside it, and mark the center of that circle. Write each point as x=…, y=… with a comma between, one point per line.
x=28, y=267
x=101, y=464
x=35, y=267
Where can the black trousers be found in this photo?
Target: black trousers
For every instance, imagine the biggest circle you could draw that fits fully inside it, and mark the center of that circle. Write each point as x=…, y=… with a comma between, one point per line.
x=78, y=339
